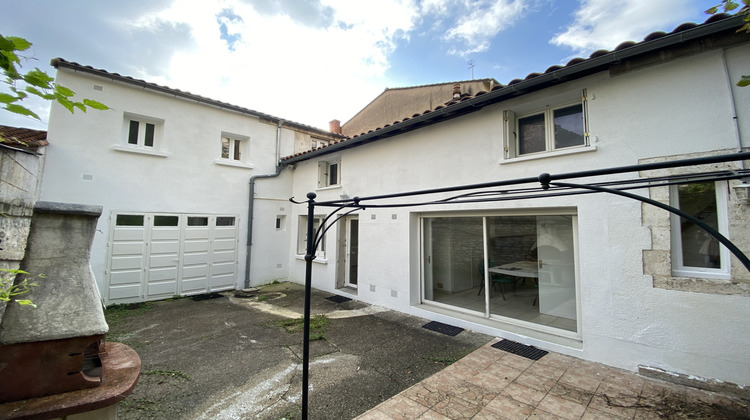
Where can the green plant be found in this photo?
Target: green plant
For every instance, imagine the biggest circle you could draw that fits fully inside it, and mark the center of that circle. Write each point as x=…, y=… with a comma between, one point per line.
x=318, y=325
x=9, y=289
x=38, y=83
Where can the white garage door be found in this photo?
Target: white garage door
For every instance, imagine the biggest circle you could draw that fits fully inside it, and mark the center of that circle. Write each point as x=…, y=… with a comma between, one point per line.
x=156, y=256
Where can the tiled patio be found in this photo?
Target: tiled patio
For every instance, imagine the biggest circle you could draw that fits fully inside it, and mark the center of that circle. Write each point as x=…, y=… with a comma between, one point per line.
x=494, y=384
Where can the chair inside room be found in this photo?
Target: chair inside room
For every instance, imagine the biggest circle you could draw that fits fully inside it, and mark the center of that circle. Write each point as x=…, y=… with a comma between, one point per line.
x=496, y=279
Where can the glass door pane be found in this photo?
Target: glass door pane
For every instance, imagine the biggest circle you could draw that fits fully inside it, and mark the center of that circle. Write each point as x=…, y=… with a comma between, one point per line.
x=453, y=252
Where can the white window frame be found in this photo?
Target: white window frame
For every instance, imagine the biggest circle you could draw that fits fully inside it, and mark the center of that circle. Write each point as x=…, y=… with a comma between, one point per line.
x=511, y=119
x=325, y=173
x=680, y=270
x=234, y=141
x=141, y=138
x=320, y=254
x=318, y=143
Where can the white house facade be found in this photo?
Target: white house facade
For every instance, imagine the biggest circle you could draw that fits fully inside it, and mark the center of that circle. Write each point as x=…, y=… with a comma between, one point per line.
x=596, y=276
x=196, y=200
x=173, y=172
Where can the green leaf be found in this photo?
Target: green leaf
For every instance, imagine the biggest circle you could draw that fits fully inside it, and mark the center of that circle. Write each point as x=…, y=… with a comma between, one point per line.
x=730, y=5
x=19, y=43
x=80, y=106
x=744, y=81
x=25, y=302
x=96, y=105
x=712, y=10
x=64, y=91
x=66, y=103
x=6, y=99
x=18, y=109
x=38, y=78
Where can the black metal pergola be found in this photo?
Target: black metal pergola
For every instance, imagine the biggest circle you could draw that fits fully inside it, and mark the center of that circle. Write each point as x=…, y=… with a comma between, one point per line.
x=545, y=185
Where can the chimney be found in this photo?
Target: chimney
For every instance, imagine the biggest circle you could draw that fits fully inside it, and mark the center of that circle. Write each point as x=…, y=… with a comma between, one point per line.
x=335, y=127
x=457, y=91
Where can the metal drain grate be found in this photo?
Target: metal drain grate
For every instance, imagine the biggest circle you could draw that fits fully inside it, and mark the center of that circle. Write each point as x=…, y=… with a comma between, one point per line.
x=338, y=299
x=442, y=328
x=529, y=352
x=206, y=296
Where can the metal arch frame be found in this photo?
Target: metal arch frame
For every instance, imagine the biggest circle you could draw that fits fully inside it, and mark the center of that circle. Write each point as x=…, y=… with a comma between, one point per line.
x=549, y=186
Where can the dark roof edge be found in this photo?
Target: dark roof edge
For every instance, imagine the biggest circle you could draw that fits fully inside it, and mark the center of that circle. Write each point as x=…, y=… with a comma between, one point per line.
x=61, y=62
x=528, y=85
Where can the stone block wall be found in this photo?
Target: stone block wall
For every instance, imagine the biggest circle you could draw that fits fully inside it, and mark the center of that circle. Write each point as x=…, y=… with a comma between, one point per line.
x=657, y=261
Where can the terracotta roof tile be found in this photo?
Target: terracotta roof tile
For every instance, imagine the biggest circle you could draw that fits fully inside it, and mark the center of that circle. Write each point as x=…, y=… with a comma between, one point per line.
x=24, y=138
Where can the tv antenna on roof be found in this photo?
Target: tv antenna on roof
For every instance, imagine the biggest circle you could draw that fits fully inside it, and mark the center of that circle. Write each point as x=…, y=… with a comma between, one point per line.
x=471, y=66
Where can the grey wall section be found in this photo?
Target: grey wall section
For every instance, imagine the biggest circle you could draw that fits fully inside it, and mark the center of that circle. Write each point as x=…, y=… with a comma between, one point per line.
x=68, y=302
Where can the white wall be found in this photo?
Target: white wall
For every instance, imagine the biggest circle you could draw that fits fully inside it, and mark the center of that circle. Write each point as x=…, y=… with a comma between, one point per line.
x=84, y=167
x=673, y=108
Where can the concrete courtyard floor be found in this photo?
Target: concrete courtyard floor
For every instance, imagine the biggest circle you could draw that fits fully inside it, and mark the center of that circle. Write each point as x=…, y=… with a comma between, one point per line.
x=240, y=358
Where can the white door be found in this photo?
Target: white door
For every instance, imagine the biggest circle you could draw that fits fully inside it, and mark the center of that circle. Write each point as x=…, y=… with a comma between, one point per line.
x=352, y=250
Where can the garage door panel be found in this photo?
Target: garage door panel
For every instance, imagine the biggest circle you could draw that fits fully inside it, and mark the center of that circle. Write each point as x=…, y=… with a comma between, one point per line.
x=196, y=246
x=224, y=244
x=161, y=274
x=125, y=292
x=223, y=258
x=165, y=234
x=194, y=285
x=225, y=268
x=127, y=248
x=224, y=233
x=222, y=283
x=162, y=288
x=125, y=263
x=163, y=261
x=126, y=277
x=128, y=234
x=193, y=233
x=168, y=247
x=190, y=259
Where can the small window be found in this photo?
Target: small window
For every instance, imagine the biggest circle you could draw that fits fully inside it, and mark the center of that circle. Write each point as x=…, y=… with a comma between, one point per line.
x=280, y=222
x=232, y=147
x=318, y=143
x=166, y=220
x=142, y=131
x=546, y=130
x=129, y=220
x=329, y=174
x=302, y=236
x=224, y=221
x=197, y=221
x=695, y=253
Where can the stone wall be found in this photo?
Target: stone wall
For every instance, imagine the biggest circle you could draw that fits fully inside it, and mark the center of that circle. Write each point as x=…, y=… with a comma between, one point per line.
x=657, y=261
x=19, y=179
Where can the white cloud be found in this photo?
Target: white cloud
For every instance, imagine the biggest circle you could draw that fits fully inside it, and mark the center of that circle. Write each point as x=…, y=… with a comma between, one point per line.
x=281, y=66
x=603, y=24
x=485, y=20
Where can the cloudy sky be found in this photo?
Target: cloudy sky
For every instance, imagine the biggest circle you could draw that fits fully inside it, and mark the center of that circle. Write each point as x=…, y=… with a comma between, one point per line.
x=312, y=61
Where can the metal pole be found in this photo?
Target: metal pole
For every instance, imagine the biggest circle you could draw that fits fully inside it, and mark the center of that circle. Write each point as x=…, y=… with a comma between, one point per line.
x=309, y=257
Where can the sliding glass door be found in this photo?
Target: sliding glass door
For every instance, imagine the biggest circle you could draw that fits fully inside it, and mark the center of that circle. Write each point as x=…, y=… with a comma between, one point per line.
x=520, y=267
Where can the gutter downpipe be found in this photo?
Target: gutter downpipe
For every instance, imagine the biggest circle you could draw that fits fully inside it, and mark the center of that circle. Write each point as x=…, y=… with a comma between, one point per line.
x=733, y=104
x=251, y=201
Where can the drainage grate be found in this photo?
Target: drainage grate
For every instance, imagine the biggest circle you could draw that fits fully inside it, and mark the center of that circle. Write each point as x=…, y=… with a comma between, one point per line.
x=529, y=352
x=338, y=299
x=206, y=296
x=442, y=328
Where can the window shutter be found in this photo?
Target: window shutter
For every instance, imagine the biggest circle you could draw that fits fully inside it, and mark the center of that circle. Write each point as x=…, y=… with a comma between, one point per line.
x=322, y=174
x=585, y=108
x=509, y=138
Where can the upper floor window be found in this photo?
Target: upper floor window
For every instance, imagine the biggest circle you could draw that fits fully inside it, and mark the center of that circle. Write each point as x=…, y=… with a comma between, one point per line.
x=546, y=129
x=231, y=148
x=329, y=174
x=141, y=134
x=142, y=131
x=695, y=253
x=318, y=143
